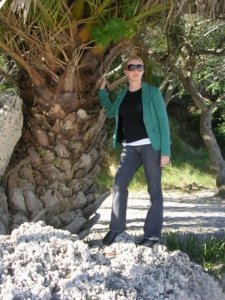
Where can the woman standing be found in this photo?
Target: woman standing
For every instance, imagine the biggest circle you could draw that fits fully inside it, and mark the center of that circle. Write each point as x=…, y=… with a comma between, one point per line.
x=142, y=128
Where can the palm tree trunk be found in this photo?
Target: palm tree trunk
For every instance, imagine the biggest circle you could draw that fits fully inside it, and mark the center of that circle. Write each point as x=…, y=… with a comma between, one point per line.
x=55, y=181
x=60, y=149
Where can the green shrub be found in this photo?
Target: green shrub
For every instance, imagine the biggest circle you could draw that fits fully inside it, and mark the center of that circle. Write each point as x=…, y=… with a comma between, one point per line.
x=208, y=252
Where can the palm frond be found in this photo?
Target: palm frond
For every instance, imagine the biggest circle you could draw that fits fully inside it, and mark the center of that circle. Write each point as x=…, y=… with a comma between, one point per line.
x=8, y=70
x=40, y=43
x=22, y=7
x=213, y=9
x=42, y=35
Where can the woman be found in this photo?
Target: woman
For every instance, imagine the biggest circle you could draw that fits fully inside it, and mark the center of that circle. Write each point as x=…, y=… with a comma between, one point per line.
x=142, y=128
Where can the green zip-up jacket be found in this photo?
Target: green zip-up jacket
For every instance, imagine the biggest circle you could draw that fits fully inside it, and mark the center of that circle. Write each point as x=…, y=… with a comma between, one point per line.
x=154, y=116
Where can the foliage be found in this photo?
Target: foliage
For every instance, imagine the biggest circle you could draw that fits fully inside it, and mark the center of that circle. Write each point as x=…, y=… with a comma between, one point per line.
x=210, y=252
x=8, y=69
x=41, y=36
x=199, y=47
x=189, y=168
x=53, y=33
x=209, y=74
x=113, y=31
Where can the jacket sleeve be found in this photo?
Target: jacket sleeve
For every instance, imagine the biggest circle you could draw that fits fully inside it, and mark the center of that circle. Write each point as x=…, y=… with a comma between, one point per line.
x=163, y=122
x=106, y=103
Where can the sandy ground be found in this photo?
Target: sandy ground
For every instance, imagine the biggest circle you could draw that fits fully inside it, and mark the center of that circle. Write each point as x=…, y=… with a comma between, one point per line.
x=199, y=212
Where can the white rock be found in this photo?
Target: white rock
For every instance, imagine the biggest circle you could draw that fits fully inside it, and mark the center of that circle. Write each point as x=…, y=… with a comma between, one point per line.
x=39, y=262
x=11, y=122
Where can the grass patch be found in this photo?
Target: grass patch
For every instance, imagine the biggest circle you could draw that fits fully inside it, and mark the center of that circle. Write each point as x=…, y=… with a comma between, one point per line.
x=186, y=176
x=189, y=168
x=208, y=252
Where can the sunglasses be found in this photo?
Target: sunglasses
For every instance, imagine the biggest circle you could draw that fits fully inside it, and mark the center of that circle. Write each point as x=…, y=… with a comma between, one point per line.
x=135, y=67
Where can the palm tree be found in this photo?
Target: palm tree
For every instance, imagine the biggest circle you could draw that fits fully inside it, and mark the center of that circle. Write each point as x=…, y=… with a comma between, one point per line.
x=61, y=48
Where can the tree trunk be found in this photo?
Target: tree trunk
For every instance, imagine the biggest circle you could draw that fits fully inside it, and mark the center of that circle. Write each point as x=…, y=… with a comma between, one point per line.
x=213, y=150
x=61, y=146
x=167, y=88
x=55, y=181
x=207, y=134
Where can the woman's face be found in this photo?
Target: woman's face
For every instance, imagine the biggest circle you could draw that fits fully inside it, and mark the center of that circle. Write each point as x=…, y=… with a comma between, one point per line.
x=134, y=71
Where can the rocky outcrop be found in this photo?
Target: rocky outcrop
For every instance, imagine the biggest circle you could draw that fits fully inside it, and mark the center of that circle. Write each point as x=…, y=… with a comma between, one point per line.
x=39, y=262
x=11, y=121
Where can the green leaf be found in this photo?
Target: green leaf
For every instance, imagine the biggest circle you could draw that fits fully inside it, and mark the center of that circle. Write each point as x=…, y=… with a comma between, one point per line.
x=130, y=8
x=113, y=31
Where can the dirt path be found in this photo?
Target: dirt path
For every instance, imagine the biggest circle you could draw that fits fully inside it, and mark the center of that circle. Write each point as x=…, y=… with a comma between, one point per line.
x=197, y=212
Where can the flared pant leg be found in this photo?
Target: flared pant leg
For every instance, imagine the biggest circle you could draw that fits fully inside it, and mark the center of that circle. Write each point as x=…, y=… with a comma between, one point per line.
x=130, y=161
x=154, y=219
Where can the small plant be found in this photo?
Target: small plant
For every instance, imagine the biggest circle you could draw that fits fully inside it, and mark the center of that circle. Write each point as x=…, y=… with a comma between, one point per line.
x=214, y=255
x=208, y=252
x=187, y=243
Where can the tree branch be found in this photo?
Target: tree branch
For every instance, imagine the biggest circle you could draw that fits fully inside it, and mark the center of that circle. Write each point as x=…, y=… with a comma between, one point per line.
x=114, y=52
x=215, y=104
x=190, y=87
x=169, y=89
x=114, y=85
x=212, y=52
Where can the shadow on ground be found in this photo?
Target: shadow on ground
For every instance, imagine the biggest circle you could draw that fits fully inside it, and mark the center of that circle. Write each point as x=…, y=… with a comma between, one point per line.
x=201, y=213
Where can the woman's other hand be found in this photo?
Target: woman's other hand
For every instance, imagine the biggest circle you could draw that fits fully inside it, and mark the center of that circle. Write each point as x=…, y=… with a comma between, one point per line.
x=165, y=160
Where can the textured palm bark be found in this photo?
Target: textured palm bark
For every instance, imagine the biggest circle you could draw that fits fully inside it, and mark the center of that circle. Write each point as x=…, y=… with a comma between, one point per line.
x=61, y=145
x=55, y=181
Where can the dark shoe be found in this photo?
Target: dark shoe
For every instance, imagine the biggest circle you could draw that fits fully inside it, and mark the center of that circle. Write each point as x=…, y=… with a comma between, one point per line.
x=109, y=237
x=147, y=242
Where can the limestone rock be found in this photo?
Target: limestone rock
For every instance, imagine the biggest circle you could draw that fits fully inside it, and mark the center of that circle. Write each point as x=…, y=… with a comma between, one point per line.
x=11, y=122
x=39, y=262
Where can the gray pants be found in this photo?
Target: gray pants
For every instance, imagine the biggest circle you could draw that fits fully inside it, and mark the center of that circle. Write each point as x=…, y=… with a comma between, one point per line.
x=131, y=159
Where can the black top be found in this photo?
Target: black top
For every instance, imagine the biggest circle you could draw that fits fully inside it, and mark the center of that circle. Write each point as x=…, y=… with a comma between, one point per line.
x=131, y=116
